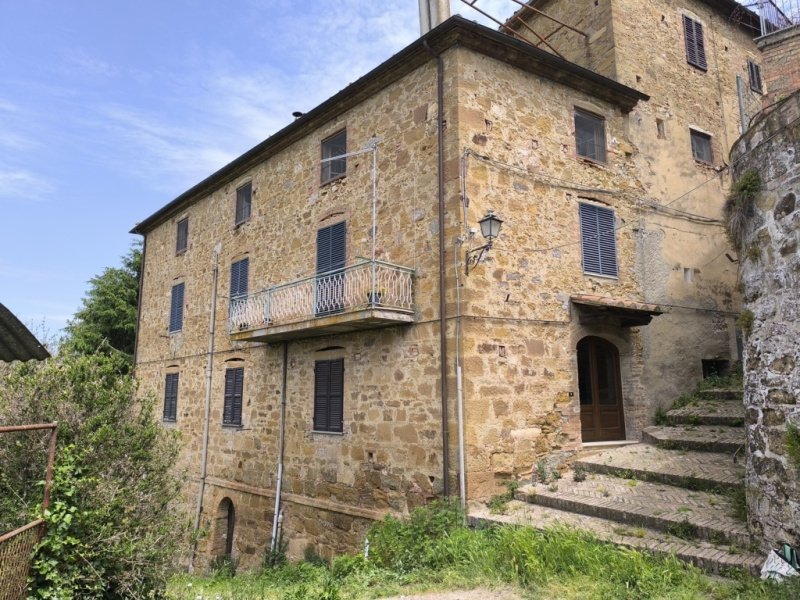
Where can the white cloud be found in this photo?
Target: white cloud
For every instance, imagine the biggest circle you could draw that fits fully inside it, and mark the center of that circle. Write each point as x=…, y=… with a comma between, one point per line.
x=19, y=184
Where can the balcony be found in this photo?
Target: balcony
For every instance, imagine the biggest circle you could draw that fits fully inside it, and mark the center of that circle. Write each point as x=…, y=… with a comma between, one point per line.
x=366, y=295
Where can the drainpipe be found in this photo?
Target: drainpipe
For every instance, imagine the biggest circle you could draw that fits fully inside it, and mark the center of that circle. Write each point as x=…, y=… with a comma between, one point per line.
x=139, y=306
x=442, y=303
x=276, y=519
x=209, y=372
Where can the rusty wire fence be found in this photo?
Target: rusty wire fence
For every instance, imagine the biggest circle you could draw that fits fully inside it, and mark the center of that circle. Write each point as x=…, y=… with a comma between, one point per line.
x=20, y=494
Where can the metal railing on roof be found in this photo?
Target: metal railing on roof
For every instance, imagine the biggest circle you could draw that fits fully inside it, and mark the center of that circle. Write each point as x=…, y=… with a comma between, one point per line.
x=774, y=15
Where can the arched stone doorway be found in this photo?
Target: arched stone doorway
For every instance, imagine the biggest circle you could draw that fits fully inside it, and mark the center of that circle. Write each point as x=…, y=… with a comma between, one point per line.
x=223, y=528
x=600, y=389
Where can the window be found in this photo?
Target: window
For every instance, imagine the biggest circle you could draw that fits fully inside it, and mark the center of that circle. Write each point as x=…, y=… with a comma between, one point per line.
x=590, y=136
x=329, y=395
x=183, y=236
x=330, y=281
x=244, y=196
x=239, y=275
x=171, y=397
x=598, y=240
x=701, y=146
x=754, y=71
x=234, y=386
x=176, y=308
x=695, y=46
x=336, y=145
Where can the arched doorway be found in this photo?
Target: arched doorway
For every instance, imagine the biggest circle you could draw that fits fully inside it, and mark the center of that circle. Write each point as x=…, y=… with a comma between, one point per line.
x=602, y=416
x=223, y=528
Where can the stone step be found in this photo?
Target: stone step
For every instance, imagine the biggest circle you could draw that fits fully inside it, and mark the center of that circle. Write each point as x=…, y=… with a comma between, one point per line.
x=706, y=438
x=712, y=412
x=705, y=555
x=710, y=471
x=722, y=394
x=684, y=513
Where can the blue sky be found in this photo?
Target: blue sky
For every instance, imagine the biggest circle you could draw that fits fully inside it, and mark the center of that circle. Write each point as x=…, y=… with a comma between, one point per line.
x=109, y=110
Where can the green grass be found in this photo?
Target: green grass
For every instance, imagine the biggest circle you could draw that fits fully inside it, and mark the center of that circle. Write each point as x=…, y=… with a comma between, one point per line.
x=434, y=551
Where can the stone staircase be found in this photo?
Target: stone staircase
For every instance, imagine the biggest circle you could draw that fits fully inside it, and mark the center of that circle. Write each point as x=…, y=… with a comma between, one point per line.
x=676, y=493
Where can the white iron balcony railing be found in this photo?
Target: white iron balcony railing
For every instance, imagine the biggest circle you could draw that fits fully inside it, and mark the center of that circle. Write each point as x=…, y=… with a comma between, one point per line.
x=774, y=15
x=365, y=285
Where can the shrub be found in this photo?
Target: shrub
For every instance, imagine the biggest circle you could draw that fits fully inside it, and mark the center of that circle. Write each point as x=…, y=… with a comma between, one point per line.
x=739, y=206
x=112, y=529
x=792, y=441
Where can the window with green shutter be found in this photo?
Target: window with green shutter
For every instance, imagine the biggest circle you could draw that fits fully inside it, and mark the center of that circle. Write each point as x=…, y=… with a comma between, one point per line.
x=234, y=390
x=598, y=240
x=329, y=395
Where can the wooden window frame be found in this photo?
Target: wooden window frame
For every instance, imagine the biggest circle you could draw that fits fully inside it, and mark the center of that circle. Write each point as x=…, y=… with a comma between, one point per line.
x=695, y=43
x=754, y=76
x=694, y=134
x=599, y=253
x=244, y=203
x=335, y=169
x=597, y=133
x=171, y=383
x=328, y=396
x=233, y=397
x=176, y=307
x=182, y=236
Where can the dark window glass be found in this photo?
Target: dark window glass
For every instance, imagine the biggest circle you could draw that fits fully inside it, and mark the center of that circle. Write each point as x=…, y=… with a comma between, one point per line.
x=701, y=146
x=695, y=46
x=234, y=387
x=329, y=395
x=336, y=145
x=239, y=274
x=598, y=240
x=244, y=197
x=183, y=236
x=590, y=136
x=171, y=397
x=176, y=308
x=754, y=71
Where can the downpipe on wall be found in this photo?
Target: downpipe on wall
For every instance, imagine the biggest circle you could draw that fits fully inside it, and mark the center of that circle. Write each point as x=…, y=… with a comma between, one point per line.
x=277, y=517
x=207, y=409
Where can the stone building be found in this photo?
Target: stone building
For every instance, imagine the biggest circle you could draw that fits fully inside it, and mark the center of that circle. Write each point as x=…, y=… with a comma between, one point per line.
x=324, y=323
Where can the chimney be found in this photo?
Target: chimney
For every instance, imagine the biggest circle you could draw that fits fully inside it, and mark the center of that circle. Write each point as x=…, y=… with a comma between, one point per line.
x=432, y=13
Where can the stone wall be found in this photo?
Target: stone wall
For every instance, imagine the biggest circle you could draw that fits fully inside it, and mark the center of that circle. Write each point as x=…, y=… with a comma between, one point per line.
x=771, y=278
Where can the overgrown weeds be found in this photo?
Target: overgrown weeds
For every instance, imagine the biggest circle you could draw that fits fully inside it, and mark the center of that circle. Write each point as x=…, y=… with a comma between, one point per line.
x=739, y=206
x=433, y=550
x=497, y=504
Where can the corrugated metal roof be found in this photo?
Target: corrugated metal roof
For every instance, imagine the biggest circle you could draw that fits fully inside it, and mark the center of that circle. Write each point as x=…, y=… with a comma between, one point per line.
x=16, y=341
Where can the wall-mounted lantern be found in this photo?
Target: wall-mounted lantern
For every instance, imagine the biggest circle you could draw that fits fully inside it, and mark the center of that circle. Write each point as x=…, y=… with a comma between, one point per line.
x=490, y=229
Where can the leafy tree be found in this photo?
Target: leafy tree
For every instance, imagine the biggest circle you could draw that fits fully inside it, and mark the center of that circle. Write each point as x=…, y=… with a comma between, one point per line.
x=107, y=320
x=113, y=526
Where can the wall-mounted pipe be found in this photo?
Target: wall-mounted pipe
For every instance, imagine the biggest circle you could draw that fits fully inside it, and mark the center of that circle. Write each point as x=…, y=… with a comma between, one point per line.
x=207, y=411
x=276, y=518
x=442, y=282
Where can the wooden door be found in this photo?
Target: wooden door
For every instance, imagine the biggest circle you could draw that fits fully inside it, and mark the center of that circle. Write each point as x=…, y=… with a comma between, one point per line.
x=602, y=416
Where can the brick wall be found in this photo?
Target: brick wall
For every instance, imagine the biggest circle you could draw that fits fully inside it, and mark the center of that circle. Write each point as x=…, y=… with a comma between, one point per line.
x=781, y=71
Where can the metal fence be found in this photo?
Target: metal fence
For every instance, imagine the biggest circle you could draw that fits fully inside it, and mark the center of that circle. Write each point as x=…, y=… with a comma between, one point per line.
x=368, y=284
x=17, y=546
x=774, y=15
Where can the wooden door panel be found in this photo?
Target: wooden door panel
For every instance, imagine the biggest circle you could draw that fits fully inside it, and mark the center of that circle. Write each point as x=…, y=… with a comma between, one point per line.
x=602, y=417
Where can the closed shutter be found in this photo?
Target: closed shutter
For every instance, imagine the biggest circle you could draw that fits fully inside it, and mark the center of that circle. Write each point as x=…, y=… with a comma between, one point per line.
x=244, y=197
x=239, y=275
x=598, y=240
x=183, y=236
x=755, y=76
x=171, y=397
x=695, y=44
x=176, y=308
x=329, y=395
x=331, y=247
x=234, y=388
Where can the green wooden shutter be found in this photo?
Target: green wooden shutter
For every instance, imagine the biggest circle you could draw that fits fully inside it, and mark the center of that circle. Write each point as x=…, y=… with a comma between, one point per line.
x=176, y=308
x=234, y=391
x=171, y=397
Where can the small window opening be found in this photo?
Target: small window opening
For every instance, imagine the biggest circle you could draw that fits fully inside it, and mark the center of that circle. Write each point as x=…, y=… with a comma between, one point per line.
x=332, y=147
x=754, y=72
x=701, y=147
x=590, y=136
x=715, y=367
x=661, y=128
x=687, y=275
x=244, y=198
